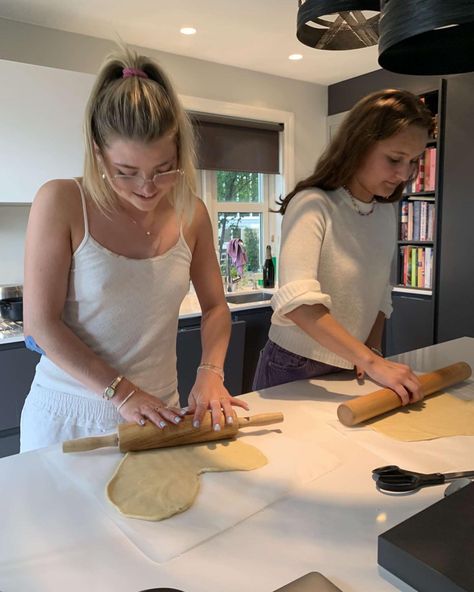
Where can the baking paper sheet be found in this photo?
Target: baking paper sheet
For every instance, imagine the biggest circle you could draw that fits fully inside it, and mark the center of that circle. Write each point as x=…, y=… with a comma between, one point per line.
x=224, y=499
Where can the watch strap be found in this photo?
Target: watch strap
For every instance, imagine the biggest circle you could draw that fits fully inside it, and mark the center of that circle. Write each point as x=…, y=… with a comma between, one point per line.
x=109, y=392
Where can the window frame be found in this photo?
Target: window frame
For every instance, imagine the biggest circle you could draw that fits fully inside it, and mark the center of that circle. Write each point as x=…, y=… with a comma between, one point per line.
x=287, y=147
x=269, y=184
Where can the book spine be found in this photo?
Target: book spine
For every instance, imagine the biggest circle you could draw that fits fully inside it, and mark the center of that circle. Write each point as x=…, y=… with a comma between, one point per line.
x=419, y=183
x=413, y=270
x=432, y=169
x=420, y=262
x=428, y=267
x=401, y=265
x=406, y=266
x=427, y=179
x=423, y=220
x=430, y=222
x=404, y=220
x=410, y=221
x=416, y=220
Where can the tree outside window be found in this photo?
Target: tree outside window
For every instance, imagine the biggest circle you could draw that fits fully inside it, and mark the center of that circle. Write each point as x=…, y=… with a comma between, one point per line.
x=239, y=187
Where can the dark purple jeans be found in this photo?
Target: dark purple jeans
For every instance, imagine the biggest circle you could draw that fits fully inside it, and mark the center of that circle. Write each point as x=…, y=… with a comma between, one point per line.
x=277, y=365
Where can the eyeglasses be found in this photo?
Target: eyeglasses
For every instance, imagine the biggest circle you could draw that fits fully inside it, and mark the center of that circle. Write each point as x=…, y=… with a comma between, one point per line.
x=158, y=179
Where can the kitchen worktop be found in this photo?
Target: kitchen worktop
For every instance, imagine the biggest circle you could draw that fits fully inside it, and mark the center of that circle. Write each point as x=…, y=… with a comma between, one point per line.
x=189, y=308
x=56, y=535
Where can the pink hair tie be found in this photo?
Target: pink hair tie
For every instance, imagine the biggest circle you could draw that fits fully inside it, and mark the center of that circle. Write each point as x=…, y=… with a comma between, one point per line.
x=128, y=72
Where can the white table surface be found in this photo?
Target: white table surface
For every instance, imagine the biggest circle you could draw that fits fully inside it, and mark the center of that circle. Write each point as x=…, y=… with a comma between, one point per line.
x=53, y=539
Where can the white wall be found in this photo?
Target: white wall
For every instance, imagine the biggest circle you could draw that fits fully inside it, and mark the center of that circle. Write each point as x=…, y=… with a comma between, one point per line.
x=13, y=221
x=197, y=78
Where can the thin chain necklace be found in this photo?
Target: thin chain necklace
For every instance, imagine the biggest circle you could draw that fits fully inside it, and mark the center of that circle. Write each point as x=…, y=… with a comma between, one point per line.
x=148, y=233
x=356, y=206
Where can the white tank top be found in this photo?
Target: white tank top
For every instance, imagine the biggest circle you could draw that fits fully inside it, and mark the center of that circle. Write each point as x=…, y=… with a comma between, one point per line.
x=126, y=310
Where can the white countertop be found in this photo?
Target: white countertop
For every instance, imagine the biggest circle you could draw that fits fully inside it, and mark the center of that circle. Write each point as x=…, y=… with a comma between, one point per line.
x=55, y=535
x=189, y=308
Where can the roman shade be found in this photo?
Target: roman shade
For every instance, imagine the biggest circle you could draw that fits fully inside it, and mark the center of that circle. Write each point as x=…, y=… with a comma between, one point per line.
x=240, y=145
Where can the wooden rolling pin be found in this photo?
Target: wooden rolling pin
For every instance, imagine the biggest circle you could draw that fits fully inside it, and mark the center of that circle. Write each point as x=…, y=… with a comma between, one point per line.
x=134, y=437
x=365, y=407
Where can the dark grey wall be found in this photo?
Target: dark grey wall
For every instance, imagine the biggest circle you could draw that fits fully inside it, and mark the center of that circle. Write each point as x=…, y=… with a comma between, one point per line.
x=455, y=274
x=343, y=95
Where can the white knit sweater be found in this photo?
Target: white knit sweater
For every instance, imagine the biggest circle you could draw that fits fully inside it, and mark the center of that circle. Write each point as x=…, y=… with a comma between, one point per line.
x=332, y=255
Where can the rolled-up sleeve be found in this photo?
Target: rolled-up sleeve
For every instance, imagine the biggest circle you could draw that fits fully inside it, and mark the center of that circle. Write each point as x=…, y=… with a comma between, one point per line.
x=303, y=229
x=386, y=303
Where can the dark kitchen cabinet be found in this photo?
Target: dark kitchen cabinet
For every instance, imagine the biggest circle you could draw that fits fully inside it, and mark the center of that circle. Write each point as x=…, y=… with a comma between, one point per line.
x=257, y=325
x=17, y=368
x=188, y=351
x=410, y=326
x=249, y=334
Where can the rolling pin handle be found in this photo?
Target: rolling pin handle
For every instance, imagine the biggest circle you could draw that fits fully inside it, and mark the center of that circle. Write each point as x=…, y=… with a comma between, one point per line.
x=91, y=443
x=261, y=419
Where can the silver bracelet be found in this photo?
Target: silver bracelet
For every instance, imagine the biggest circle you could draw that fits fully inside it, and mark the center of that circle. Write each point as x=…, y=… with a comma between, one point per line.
x=212, y=368
x=126, y=399
x=377, y=351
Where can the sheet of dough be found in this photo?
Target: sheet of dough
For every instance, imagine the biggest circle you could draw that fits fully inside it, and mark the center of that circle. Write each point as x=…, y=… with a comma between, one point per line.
x=155, y=484
x=435, y=417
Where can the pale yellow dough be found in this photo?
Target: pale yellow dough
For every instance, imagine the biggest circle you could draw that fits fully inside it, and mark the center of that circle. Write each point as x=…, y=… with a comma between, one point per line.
x=435, y=417
x=155, y=484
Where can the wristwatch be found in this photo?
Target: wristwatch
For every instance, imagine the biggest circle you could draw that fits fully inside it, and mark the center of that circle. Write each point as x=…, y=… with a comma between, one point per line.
x=110, y=390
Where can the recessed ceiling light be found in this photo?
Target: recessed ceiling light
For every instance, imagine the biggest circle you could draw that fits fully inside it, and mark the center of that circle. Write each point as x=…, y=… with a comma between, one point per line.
x=188, y=31
x=295, y=57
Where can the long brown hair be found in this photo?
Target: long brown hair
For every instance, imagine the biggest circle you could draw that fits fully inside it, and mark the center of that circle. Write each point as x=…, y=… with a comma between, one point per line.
x=376, y=117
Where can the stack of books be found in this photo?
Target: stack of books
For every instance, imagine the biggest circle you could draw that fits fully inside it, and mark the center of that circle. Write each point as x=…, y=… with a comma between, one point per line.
x=417, y=220
x=416, y=266
x=425, y=180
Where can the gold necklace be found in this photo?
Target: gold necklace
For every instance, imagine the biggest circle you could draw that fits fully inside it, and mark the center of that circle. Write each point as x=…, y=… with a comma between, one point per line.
x=148, y=233
x=356, y=206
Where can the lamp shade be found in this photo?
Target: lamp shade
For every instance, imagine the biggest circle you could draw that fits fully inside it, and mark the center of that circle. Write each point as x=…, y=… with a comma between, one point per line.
x=431, y=37
x=350, y=28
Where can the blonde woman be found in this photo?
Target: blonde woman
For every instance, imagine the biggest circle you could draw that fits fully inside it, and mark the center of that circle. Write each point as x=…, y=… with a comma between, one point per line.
x=338, y=240
x=108, y=262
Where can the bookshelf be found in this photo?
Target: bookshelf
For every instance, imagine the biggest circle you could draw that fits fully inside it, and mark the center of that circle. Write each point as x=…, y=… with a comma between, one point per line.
x=416, y=244
x=414, y=278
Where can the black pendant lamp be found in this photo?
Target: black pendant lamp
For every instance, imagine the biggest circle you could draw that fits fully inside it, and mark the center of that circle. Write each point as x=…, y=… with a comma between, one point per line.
x=431, y=37
x=348, y=29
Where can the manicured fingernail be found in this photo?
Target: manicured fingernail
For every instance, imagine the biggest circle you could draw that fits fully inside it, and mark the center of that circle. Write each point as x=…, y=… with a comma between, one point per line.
x=177, y=419
x=230, y=420
x=217, y=427
x=184, y=410
x=196, y=423
x=162, y=424
x=141, y=421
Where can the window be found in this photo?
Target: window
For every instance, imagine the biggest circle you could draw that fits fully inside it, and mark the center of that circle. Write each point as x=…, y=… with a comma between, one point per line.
x=240, y=162
x=239, y=204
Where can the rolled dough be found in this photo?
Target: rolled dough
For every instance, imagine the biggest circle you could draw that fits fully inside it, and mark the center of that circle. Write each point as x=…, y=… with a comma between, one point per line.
x=436, y=416
x=155, y=484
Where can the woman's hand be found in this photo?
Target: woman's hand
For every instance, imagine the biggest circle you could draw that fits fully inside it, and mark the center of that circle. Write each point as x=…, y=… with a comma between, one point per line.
x=209, y=392
x=376, y=348
x=398, y=377
x=141, y=406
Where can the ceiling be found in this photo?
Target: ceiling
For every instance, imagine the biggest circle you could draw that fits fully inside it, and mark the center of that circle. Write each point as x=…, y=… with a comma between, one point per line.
x=254, y=34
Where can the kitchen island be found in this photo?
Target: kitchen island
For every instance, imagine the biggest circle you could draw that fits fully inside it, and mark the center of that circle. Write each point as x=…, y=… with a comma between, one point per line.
x=57, y=535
